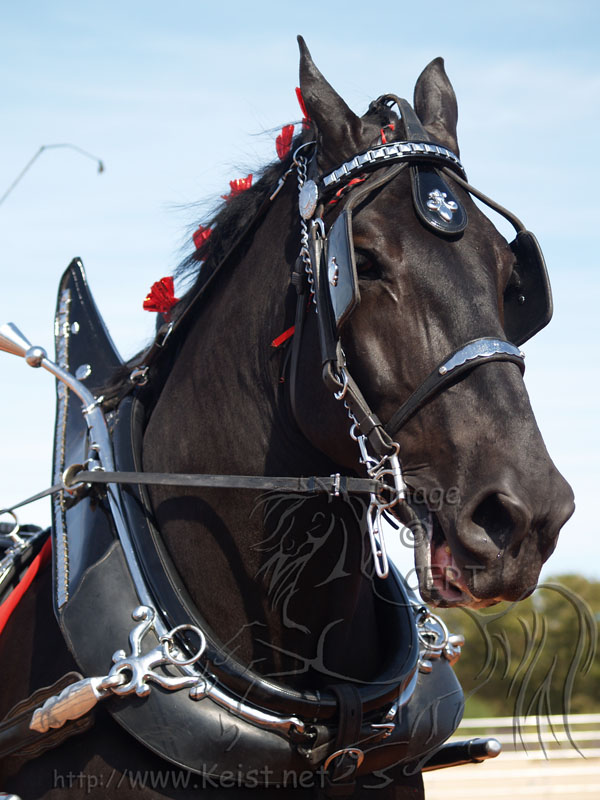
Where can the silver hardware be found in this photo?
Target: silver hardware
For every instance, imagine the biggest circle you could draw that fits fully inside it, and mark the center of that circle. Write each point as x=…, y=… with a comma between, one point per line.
x=453, y=649
x=300, y=162
x=139, y=376
x=35, y=356
x=161, y=342
x=346, y=751
x=435, y=640
x=83, y=371
x=394, y=152
x=482, y=348
x=388, y=468
x=281, y=182
x=132, y=674
x=17, y=540
x=75, y=328
x=333, y=271
x=62, y=333
x=138, y=668
x=444, y=208
x=19, y=543
x=335, y=489
x=13, y=341
x=72, y=703
x=308, y=199
x=343, y=380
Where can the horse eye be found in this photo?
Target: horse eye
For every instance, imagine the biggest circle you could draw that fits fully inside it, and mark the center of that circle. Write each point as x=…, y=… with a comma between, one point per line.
x=366, y=267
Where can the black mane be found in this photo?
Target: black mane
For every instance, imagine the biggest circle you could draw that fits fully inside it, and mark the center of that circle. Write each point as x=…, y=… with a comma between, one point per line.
x=230, y=219
x=232, y=216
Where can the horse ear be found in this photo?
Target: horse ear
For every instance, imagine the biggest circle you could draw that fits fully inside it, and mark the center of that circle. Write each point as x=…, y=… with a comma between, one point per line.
x=435, y=104
x=339, y=128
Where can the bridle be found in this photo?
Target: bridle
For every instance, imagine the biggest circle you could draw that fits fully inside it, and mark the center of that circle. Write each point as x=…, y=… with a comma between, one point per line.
x=318, y=274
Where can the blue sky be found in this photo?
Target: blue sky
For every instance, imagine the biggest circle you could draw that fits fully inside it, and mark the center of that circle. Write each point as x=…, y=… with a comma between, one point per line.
x=179, y=98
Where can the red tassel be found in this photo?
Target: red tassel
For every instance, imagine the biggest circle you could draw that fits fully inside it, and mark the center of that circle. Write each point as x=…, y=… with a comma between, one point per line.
x=238, y=186
x=391, y=126
x=305, y=117
x=284, y=141
x=338, y=195
x=161, y=297
x=201, y=235
x=283, y=337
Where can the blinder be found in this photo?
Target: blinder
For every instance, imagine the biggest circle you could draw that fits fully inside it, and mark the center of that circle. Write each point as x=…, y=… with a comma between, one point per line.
x=527, y=306
x=341, y=274
x=527, y=297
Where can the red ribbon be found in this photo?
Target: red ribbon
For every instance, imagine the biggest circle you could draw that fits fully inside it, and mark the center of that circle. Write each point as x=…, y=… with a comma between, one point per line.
x=305, y=117
x=284, y=141
x=238, y=186
x=161, y=297
x=201, y=235
x=283, y=337
x=338, y=195
x=391, y=126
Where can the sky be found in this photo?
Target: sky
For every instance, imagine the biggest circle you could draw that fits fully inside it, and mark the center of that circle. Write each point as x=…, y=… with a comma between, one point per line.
x=179, y=98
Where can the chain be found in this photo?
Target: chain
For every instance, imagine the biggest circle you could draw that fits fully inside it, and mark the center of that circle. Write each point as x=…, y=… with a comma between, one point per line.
x=385, y=470
x=300, y=162
x=381, y=469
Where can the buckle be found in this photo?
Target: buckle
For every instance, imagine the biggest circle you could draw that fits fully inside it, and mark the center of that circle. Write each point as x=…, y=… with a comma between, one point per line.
x=356, y=752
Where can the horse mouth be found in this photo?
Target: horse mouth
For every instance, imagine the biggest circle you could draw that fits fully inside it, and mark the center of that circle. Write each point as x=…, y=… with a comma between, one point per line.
x=442, y=582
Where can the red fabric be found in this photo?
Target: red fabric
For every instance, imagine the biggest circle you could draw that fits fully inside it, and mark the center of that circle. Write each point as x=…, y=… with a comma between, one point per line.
x=283, y=337
x=238, y=186
x=391, y=126
x=161, y=296
x=305, y=117
x=284, y=141
x=337, y=196
x=13, y=599
x=201, y=235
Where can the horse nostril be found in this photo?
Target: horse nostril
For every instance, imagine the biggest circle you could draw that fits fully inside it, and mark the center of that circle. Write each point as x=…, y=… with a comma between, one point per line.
x=503, y=518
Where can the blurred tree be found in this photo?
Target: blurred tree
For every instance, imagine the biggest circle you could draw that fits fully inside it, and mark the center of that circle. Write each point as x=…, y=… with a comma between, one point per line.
x=535, y=657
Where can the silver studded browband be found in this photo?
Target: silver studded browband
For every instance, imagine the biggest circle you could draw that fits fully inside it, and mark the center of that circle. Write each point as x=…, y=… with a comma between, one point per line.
x=397, y=151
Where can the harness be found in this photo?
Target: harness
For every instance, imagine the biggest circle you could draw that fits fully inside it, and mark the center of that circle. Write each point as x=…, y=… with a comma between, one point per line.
x=109, y=556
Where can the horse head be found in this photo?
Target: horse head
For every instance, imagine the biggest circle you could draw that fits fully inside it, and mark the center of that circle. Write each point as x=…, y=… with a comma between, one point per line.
x=426, y=291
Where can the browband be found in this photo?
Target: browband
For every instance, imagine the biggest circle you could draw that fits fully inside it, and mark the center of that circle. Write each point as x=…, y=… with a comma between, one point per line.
x=396, y=151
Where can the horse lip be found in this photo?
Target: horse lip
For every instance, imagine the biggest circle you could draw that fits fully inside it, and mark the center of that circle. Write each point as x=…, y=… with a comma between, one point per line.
x=429, y=587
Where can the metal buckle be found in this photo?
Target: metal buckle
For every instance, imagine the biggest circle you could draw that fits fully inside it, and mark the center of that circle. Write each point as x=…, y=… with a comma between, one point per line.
x=346, y=751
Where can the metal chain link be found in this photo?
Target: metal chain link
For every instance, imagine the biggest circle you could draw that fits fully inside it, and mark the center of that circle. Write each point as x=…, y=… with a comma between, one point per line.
x=300, y=162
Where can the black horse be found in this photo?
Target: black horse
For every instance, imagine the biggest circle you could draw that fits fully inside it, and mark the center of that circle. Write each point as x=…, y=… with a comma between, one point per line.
x=286, y=580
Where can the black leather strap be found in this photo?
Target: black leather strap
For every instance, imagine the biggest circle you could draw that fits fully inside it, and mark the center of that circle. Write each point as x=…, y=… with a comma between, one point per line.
x=333, y=484
x=445, y=373
x=18, y=739
x=341, y=776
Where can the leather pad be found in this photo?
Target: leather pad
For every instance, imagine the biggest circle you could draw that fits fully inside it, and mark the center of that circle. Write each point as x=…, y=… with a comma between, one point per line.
x=527, y=298
x=435, y=203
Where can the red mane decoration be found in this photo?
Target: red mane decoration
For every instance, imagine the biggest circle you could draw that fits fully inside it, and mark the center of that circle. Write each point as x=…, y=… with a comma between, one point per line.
x=305, y=117
x=161, y=297
x=201, y=235
x=284, y=141
x=238, y=186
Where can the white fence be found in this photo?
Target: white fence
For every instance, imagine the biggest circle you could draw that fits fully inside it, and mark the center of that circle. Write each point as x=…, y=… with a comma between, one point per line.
x=540, y=759
x=547, y=738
